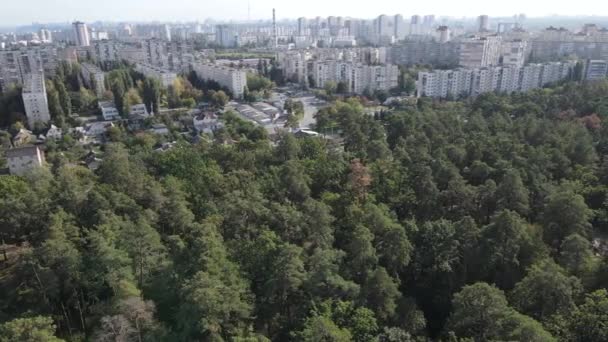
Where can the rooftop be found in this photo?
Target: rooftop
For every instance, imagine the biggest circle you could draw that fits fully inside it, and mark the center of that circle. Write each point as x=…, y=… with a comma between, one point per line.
x=106, y=104
x=91, y=68
x=26, y=151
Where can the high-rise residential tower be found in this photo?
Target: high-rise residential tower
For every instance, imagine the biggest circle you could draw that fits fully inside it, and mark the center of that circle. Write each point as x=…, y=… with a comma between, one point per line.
x=484, y=23
x=81, y=34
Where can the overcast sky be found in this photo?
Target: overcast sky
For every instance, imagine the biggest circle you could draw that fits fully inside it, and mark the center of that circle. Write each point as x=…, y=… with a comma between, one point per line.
x=17, y=12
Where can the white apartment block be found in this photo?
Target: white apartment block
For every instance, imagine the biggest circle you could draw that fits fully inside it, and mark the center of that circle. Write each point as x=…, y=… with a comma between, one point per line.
x=510, y=80
x=356, y=76
x=530, y=77
x=486, y=80
x=514, y=53
x=480, y=52
x=295, y=65
x=555, y=71
x=16, y=64
x=132, y=54
x=376, y=77
x=23, y=159
x=233, y=79
x=106, y=50
x=93, y=76
x=11, y=70
x=81, y=34
x=156, y=52
x=35, y=100
x=596, y=70
x=165, y=77
x=436, y=84
x=472, y=82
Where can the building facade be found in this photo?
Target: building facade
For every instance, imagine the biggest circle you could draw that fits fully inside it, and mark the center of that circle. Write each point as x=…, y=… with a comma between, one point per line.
x=81, y=34
x=165, y=76
x=233, y=79
x=596, y=69
x=35, y=100
x=94, y=78
x=24, y=159
x=480, y=52
x=356, y=77
x=462, y=82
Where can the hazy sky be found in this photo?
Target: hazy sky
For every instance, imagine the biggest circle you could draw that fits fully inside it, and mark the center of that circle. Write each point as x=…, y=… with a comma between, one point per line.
x=16, y=12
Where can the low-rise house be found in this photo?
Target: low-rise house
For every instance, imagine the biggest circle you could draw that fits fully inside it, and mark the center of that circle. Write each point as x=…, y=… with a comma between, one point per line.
x=271, y=111
x=23, y=159
x=54, y=133
x=303, y=133
x=108, y=111
x=92, y=161
x=97, y=129
x=137, y=116
x=254, y=114
x=206, y=122
x=139, y=110
x=23, y=137
x=160, y=129
x=166, y=146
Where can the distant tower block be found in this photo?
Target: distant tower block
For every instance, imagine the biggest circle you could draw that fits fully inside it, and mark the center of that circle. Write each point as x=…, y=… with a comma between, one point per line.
x=484, y=23
x=275, y=35
x=444, y=34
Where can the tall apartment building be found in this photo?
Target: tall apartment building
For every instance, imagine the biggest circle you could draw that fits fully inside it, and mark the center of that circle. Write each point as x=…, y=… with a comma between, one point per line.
x=472, y=82
x=356, y=77
x=93, y=77
x=35, y=100
x=445, y=83
x=444, y=34
x=480, y=52
x=530, y=77
x=16, y=64
x=226, y=36
x=486, y=80
x=384, y=26
x=375, y=77
x=556, y=43
x=106, y=50
x=514, y=53
x=165, y=76
x=303, y=27
x=233, y=79
x=11, y=68
x=295, y=65
x=156, y=51
x=45, y=36
x=415, y=25
x=425, y=52
x=400, y=30
x=596, y=69
x=81, y=34
x=133, y=54
x=428, y=21
x=483, y=22
x=556, y=71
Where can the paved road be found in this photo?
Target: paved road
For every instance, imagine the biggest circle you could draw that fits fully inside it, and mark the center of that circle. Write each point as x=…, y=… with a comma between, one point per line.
x=310, y=109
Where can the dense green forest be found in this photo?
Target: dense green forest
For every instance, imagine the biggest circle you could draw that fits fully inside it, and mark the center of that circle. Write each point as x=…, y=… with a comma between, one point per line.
x=452, y=221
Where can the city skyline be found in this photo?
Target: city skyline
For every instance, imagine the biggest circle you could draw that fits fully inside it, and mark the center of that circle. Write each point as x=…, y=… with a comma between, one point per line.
x=20, y=13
